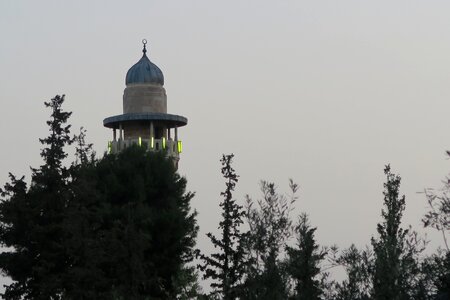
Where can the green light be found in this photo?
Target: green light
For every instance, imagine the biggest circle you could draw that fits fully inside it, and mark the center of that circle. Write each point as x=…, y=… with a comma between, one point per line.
x=164, y=143
x=109, y=147
x=152, y=142
x=140, y=141
x=180, y=147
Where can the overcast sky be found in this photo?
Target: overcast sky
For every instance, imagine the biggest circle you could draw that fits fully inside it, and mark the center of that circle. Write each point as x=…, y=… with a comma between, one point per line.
x=323, y=92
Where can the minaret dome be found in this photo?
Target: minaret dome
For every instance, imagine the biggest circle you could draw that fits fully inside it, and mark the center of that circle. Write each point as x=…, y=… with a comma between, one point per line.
x=144, y=71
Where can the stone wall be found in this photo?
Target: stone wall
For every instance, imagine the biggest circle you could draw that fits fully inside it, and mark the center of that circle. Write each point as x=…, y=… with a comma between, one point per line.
x=145, y=97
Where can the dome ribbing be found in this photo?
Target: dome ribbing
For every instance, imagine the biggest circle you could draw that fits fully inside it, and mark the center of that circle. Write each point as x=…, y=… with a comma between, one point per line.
x=144, y=71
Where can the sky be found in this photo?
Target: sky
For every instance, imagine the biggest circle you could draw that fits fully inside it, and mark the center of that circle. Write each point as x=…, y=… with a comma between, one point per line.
x=323, y=92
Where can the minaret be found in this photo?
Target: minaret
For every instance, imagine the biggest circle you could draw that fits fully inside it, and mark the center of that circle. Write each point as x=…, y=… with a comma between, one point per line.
x=145, y=121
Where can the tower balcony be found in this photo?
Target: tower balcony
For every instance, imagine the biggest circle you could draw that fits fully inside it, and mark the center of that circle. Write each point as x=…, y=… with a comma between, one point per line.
x=173, y=148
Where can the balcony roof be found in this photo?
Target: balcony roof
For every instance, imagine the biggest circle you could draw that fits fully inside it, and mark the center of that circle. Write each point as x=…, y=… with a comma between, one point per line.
x=170, y=120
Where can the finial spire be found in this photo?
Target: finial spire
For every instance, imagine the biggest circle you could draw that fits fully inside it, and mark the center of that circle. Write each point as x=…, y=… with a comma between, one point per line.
x=144, y=42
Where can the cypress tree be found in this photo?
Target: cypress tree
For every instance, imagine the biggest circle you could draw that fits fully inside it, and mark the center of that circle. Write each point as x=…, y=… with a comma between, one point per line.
x=389, y=280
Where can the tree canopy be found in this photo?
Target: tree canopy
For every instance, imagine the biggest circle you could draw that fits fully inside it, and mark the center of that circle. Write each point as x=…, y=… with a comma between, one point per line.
x=121, y=227
x=118, y=227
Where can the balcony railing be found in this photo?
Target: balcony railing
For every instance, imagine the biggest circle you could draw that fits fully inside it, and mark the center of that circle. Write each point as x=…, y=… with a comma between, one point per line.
x=173, y=148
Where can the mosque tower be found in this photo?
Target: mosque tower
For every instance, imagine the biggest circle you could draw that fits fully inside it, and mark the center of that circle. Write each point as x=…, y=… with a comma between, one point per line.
x=145, y=121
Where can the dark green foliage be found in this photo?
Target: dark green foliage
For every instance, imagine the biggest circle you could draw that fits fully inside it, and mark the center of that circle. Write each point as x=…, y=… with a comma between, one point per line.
x=270, y=228
x=186, y=284
x=358, y=265
x=418, y=286
x=226, y=267
x=14, y=233
x=396, y=249
x=121, y=227
x=442, y=271
x=115, y=228
x=132, y=230
x=54, y=153
x=389, y=281
x=32, y=220
x=304, y=262
x=436, y=273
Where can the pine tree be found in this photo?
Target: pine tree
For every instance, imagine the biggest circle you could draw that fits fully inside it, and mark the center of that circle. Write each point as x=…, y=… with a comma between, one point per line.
x=226, y=266
x=32, y=220
x=304, y=262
